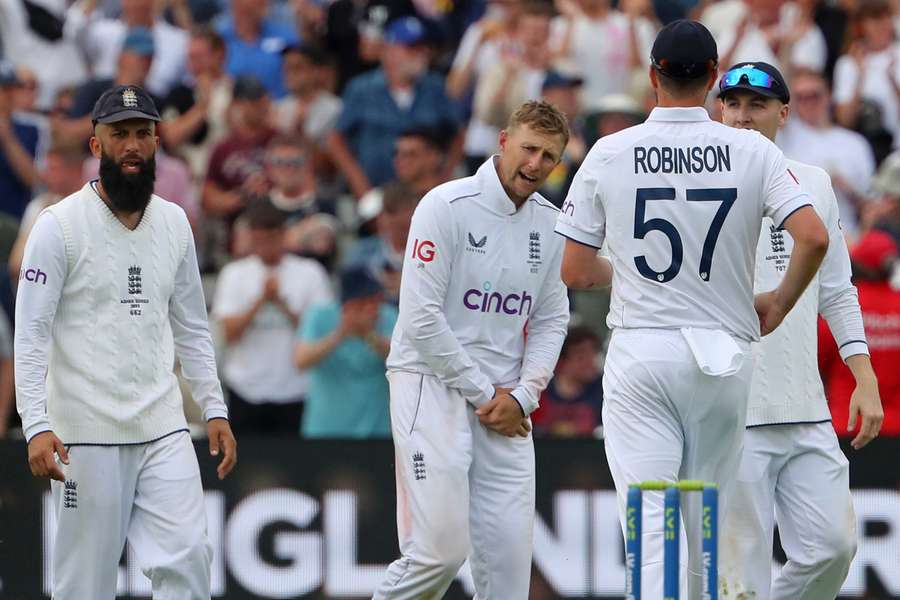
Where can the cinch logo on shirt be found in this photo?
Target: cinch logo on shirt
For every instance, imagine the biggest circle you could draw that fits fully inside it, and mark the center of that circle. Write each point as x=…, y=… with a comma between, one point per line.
x=487, y=301
x=33, y=275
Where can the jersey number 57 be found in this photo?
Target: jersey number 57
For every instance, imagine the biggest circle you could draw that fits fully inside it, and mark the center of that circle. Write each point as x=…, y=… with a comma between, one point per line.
x=642, y=227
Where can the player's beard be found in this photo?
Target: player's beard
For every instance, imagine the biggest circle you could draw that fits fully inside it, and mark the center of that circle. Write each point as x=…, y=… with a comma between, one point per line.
x=126, y=192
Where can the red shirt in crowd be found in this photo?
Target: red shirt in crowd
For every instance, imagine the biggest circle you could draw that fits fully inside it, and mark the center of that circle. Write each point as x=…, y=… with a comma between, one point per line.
x=881, y=317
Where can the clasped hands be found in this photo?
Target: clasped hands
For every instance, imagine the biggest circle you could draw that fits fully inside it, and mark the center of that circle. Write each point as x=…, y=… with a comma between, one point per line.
x=503, y=414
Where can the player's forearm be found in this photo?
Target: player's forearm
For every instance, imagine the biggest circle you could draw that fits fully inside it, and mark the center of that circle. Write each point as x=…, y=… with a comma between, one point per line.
x=805, y=261
x=583, y=268
x=430, y=334
x=861, y=367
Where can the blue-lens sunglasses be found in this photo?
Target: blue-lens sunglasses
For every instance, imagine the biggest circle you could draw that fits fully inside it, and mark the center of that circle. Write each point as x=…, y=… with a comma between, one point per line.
x=755, y=77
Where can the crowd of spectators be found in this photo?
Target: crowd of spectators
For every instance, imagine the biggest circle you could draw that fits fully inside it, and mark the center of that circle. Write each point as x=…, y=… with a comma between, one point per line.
x=298, y=136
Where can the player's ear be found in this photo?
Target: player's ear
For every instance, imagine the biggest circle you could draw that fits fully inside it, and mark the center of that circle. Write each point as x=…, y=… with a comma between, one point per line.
x=654, y=79
x=501, y=142
x=783, y=114
x=94, y=143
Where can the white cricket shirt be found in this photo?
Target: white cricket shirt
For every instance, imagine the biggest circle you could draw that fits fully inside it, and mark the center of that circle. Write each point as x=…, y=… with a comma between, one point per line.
x=259, y=366
x=786, y=386
x=678, y=202
x=481, y=300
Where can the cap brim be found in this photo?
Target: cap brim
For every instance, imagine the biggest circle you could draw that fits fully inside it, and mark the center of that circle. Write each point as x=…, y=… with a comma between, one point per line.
x=125, y=115
x=749, y=88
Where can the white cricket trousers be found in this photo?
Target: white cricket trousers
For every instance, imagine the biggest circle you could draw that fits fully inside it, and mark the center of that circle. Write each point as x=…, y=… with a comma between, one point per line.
x=663, y=418
x=462, y=490
x=149, y=494
x=797, y=476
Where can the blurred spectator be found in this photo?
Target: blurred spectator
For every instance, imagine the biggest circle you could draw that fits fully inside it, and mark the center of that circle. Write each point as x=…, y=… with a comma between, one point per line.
x=615, y=113
x=7, y=384
x=309, y=109
x=810, y=136
x=867, y=78
x=520, y=71
x=311, y=228
x=571, y=404
x=32, y=35
x=608, y=46
x=883, y=212
x=353, y=31
x=482, y=46
x=236, y=170
x=873, y=259
x=259, y=302
x=25, y=95
x=134, y=63
x=382, y=254
x=780, y=33
x=379, y=105
x=255, y=43
x=419, y=163
x=419, y=159
x=289, y=169
x=310, y=17
x=61, y=177
x=101, y=40
x=562, y=89
x=344, y=346
x=195, y=113
x=18, y=150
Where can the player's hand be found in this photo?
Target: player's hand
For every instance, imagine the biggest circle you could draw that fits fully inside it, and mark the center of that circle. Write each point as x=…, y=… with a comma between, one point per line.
x=770, y=310
x=865, y=406
x=221, y=439
x=504, y=415
x=40, y=456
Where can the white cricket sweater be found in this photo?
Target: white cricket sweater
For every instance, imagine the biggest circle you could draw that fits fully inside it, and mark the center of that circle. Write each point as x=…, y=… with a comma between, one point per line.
x=481, y=300
x=100, y=312
x=786, y=387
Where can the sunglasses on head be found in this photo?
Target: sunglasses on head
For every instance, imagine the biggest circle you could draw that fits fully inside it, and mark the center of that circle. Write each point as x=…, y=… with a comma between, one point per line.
x=753, y=76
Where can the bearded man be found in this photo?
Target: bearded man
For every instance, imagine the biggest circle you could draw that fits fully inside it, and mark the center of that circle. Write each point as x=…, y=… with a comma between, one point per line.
x=107, y=273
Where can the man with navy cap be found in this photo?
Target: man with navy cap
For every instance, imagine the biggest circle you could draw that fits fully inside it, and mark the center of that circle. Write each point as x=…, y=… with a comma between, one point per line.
x=676, y=203
x=109, y=294
x=792, y=469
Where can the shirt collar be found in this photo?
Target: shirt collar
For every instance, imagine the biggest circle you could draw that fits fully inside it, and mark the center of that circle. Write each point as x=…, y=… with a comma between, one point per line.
x=680, y=114
x=496, y=197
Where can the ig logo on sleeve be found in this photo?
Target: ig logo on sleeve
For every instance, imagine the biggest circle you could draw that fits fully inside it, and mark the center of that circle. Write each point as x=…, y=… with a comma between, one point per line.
x=423, y=250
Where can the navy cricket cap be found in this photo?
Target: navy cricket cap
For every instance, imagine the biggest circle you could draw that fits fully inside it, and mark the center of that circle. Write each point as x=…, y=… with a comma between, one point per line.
x=684, y=50
x=124, y=102
x=757, y=77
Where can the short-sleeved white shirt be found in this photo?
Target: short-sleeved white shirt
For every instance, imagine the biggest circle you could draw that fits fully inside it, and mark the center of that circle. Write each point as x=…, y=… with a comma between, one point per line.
x=678, y=202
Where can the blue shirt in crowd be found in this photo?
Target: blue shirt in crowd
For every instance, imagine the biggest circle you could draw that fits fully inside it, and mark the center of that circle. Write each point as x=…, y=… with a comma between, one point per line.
x=371, y=120
x=15, y=194
x=261, y=58
x=348, y=391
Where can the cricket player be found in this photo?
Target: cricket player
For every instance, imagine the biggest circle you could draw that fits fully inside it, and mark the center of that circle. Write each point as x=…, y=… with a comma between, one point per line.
x=483, y=315
x=792, y=470
x=109, y=279
x=677, y=202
